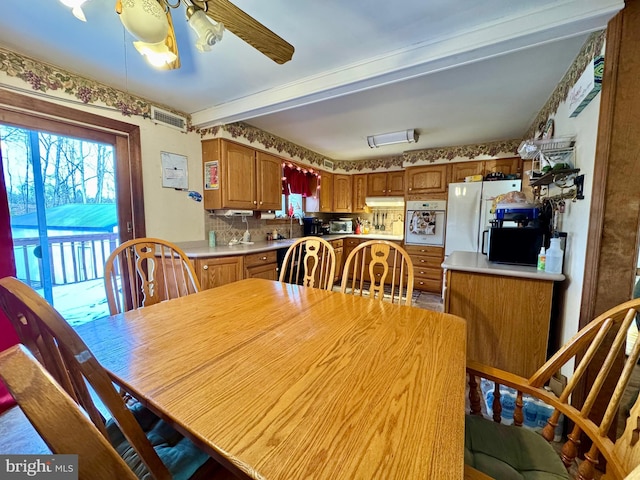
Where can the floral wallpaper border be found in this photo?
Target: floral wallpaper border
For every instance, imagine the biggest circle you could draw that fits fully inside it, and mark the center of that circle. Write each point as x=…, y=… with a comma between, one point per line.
x=469, y=151
x=592, y=47
x=266, y=139
x=44, y=77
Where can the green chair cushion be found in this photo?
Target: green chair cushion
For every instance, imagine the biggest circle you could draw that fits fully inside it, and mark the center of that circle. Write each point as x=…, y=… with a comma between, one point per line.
x=506, y=452
x=179, y=454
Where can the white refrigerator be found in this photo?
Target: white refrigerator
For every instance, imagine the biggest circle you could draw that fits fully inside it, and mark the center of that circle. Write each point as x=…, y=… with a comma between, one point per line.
x=468, y=212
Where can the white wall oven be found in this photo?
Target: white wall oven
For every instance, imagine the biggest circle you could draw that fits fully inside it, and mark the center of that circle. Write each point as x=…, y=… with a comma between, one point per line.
x=425, y=222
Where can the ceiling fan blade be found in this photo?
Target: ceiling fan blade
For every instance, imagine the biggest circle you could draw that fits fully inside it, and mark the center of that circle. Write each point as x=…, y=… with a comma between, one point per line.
x=248, y=29
x=172, y=44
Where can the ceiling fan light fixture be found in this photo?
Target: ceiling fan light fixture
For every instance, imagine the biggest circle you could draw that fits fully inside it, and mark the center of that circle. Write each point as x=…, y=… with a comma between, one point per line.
x=157, y=54
x=404, y=136
x=144, y=19
x=209, y=32
x=76, y=8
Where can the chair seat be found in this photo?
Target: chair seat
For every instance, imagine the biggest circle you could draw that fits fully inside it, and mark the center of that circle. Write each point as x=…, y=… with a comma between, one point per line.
x=178, y=453
x=506, y=452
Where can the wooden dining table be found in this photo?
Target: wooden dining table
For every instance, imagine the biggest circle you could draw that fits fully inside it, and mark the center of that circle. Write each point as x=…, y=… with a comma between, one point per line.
x=278, y=381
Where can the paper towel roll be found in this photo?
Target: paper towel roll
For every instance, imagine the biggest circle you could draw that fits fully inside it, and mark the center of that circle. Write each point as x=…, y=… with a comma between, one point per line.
x=267, y=216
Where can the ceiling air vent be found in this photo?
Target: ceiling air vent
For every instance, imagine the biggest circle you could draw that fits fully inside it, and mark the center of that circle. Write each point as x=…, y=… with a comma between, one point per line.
x=169, y=119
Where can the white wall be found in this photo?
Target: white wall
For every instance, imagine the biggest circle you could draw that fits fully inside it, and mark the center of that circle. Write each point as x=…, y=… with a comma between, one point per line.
x=169, y=214
x=575, y=220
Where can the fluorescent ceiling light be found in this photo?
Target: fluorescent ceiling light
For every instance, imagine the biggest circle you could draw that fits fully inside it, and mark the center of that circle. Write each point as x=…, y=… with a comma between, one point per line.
x=405, y=136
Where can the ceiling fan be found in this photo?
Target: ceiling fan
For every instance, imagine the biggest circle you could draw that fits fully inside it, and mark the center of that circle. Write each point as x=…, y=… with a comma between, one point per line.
x=150, y=21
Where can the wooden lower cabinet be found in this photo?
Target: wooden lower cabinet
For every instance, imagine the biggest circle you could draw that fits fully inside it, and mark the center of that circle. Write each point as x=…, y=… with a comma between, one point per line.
x=427, y=272
x=261, y=265
x=338, y=248
x=507, y=318
x=218, y=271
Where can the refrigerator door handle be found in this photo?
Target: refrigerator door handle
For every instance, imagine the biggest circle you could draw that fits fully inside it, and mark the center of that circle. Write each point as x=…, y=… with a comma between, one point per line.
x=485, y=234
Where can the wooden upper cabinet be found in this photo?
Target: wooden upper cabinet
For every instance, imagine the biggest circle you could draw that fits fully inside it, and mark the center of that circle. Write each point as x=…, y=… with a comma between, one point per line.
x=508, y=166
x=377, y=184
x=461, y=170
x=385, y=184
x=240, y=177
x=342, y=193
x=359, y=189
x=326, y=192
x=426, y=179
x=395, y=183
x=268, y=181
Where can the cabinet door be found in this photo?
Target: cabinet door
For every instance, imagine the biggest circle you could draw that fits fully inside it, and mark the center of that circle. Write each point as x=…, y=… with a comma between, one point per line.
x=342, y=193
x=268, y=181
x=268, y=271
x=359, y=189
x=461, y=170
x=238, y=176
x=508, y=166
x=339, y=263
x=326, y=192
x=428, y=179
x=395, y=183
x=211, y=153
x=376, y=184
x=214, y=272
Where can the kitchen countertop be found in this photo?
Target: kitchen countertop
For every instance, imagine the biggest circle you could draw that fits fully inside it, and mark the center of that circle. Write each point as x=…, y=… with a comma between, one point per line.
x=201, y=248
x=478, y=263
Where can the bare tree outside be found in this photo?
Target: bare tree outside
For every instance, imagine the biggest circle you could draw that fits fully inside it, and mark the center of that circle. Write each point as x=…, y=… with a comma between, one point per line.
x=62, y=202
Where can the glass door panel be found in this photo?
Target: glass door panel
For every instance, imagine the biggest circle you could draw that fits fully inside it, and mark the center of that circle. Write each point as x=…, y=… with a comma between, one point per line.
x=64, y=219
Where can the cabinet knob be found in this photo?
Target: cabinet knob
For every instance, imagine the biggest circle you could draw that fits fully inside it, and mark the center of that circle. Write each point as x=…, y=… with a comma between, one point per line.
x=260, y=203
x=205, y=267
x=410, y=188
x=384, y=191
x=264, y=258
x=255, y=202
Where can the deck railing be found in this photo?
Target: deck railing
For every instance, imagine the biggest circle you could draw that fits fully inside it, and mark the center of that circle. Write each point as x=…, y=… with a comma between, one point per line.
x=74, y=258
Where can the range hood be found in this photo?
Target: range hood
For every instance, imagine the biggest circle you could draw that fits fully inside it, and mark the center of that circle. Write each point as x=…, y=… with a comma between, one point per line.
x=233, y=213
x=384, y=202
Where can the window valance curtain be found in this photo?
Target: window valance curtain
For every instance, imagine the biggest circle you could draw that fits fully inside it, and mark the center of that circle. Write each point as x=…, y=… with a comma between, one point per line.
x=298, y=181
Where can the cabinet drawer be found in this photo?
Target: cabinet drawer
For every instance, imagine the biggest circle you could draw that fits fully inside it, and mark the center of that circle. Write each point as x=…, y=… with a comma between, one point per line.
x=261, y=258
x=426, y=285
x=425, y=250
x=352, y=242
x=426, y=273
x=336, y=243
x=422, y=261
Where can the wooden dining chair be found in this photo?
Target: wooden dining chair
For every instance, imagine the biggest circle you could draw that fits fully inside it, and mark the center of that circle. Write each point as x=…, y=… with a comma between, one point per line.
x=146, y=271
x=505, y=451
x=381, y=269
x=311, y=262
x=147, y=444
x=60, y=422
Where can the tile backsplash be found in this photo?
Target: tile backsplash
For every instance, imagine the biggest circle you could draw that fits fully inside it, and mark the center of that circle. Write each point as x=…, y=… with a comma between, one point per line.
x=228, y=228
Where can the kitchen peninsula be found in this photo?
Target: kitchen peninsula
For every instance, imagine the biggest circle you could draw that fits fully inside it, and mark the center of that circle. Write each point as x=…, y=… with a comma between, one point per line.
x=507, y=308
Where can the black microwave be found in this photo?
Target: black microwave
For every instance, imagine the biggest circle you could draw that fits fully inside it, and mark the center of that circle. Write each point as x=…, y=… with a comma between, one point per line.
x=513, y=245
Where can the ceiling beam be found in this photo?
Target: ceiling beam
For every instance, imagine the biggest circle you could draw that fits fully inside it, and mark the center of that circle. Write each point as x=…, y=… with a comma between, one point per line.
x=545, y=25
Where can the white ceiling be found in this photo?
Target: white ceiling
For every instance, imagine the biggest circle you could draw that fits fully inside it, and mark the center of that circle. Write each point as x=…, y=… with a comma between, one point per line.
x=459, y=71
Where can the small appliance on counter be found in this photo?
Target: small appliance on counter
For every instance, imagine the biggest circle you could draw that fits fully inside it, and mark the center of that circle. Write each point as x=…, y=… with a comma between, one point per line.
x=514, y=245
x=341, y=226
x=313, y=226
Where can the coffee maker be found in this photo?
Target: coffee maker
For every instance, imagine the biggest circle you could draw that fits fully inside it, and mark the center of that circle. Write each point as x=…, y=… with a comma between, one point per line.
x=312, y=226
